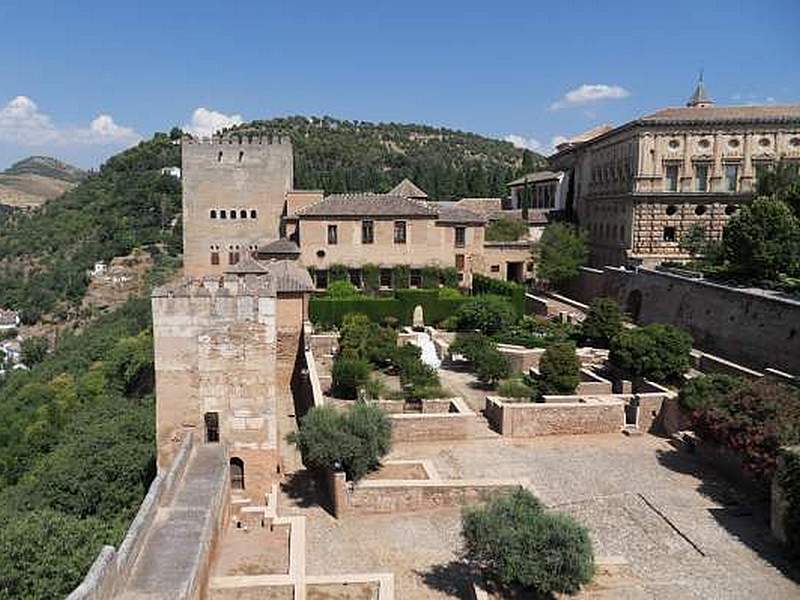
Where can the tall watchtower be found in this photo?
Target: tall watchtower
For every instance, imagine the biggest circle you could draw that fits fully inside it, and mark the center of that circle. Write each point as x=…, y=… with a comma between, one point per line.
x=234, y=194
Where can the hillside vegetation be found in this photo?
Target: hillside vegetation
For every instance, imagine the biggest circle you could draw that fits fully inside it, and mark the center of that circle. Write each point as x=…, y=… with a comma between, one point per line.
x=45, y=166
x=340, y=156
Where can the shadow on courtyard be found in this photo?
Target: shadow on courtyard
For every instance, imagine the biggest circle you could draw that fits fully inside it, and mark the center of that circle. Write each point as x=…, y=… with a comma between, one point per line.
x=455, y=579
x=307, y=490
x=744, y=513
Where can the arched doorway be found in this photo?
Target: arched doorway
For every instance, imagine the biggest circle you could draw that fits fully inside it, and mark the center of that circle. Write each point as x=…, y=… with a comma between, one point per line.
x=634, y=304
x=237, y=473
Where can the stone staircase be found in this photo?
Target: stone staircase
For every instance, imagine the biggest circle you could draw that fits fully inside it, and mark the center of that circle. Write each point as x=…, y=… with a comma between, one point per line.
x=174, y=554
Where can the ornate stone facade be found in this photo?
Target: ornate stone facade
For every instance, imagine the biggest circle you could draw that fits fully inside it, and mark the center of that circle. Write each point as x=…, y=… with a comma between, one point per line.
x=638, y=188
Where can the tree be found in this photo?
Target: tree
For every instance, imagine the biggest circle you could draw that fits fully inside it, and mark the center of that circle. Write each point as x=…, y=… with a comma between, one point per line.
x=559, y=369
x=491, y=367
x=488, y=314
x=782, y=182
x=602, y=322
x=513, y=541
x=34, y=350
x=348, y=375
x=341, y=289
x=506, y=230
x=356, y=335
x=763, y=240
x=353, y=441
x=658, y=352
x=694, y=241
x=561, y=252
x=371, y=276
x=699, y=393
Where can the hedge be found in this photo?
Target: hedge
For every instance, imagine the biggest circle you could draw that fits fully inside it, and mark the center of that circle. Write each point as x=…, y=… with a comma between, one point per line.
x=789, y=477
x=331, y=311
x=513, y=291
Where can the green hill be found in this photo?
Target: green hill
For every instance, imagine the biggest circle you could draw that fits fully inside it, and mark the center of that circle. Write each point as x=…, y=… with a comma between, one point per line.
x=340, y=156
x=32, y=181
x=46, y=166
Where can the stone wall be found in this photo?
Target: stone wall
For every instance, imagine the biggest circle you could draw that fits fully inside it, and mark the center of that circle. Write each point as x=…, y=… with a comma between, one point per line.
x=397, y=496
x=750, y=327
x=434, y=426
x=528, y=419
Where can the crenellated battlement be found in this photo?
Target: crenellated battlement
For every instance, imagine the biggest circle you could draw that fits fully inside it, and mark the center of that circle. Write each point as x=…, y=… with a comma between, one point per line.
x=232, y=139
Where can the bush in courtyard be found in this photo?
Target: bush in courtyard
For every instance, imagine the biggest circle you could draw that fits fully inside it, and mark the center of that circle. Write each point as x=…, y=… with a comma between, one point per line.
x=341, y=288
x=348, y=375
x=515, y=388
x=371, y=276
x=449, y=293
x=338, y=273
x=430, y=277
x=701, y=392
x=536, y=332
x=488, y=314
x=755, y=420
x=559, y=369
x=401, y=277
x=489, y=365
x=470, y=345
x=602, y=323
x=449, y=277
x=356, y=335
x=657, y=352
x=353, y=441
x=513, y=542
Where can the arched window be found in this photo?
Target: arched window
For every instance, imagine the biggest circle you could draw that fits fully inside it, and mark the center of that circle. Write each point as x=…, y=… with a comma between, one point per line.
x=233, y=213
x=219, y=156
x=222, y=214
x=213, y=214
x=214, y=255
x=237, y=473
x=241, y=155
x=243, y=214
x=253, y=214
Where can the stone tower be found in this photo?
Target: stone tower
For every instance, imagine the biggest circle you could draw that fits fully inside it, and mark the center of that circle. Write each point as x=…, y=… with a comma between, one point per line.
x=234, y=194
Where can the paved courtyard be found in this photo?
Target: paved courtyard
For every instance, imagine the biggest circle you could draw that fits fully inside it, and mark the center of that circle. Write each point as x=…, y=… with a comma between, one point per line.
x=672, y=529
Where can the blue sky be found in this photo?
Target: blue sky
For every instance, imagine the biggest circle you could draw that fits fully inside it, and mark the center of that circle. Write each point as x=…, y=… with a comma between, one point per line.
x=81, y=80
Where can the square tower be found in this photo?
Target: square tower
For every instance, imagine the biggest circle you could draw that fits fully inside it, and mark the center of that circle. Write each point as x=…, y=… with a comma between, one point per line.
x=234, y=195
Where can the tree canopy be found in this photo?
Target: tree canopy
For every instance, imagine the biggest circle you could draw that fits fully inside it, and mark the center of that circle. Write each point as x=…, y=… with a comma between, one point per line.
x=560, y=253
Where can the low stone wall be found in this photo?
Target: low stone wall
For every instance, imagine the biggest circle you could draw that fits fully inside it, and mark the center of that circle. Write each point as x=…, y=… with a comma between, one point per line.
x=528, y=419
x=434, y=426
x=111, y=568
x=520, y=358
x=709, y=363
x=323, y=343
x=592, y=384
x=397, y=496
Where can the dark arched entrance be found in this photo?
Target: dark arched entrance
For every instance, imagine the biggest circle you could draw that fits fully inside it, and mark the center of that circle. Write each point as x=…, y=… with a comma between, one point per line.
x=634, y=304
x=237, y=473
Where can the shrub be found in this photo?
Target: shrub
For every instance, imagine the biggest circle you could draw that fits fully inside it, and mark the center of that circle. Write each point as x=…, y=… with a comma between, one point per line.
x=449, y=277
x=449, y=293
x=702, y=392
x=353, y=441
x=341, y=288
x=401, y=277
x=603, y=322
x=560, y=369
x=8, y=334
x=430, y=277
x=371, y=276
x=754, y=420
x=513, y=292
x=491, y=367
x=506, y=230
x=338, y=273
x=355, y=337
x=348, y=375
x=514, y=388
x=488, y=314
x=657, y=352
x=470, y=345
x=513, y=542
x=536, y=332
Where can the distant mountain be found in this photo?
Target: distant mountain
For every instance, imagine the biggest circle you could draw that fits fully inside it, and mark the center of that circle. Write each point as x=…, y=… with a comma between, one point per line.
x=345, y=156
x=36, y=179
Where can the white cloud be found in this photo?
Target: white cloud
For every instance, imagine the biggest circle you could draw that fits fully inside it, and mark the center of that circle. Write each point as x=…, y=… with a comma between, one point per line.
x=22, y=123
x=206, y=123
x=533, y=144
x=590, y=93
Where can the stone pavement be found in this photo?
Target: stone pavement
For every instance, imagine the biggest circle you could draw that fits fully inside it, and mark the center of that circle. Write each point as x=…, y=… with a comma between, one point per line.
x=172, y=551
x=678, y=530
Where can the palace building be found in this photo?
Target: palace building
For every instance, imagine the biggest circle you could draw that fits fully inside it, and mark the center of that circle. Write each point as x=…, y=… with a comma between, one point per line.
x=638, y=188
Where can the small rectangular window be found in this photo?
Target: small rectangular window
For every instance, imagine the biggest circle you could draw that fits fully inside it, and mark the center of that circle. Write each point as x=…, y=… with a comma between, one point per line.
x=333, y=234
x=701, y=177
x=461, y=236
x=386, y=278
x=367, y=232
x=416, y=278
x=460, y=262
x=495, y=268
x=399, y=232
x=671, y=183
x=669, y=234
x=215, y=258
x=212, y=427
x=731, y=177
